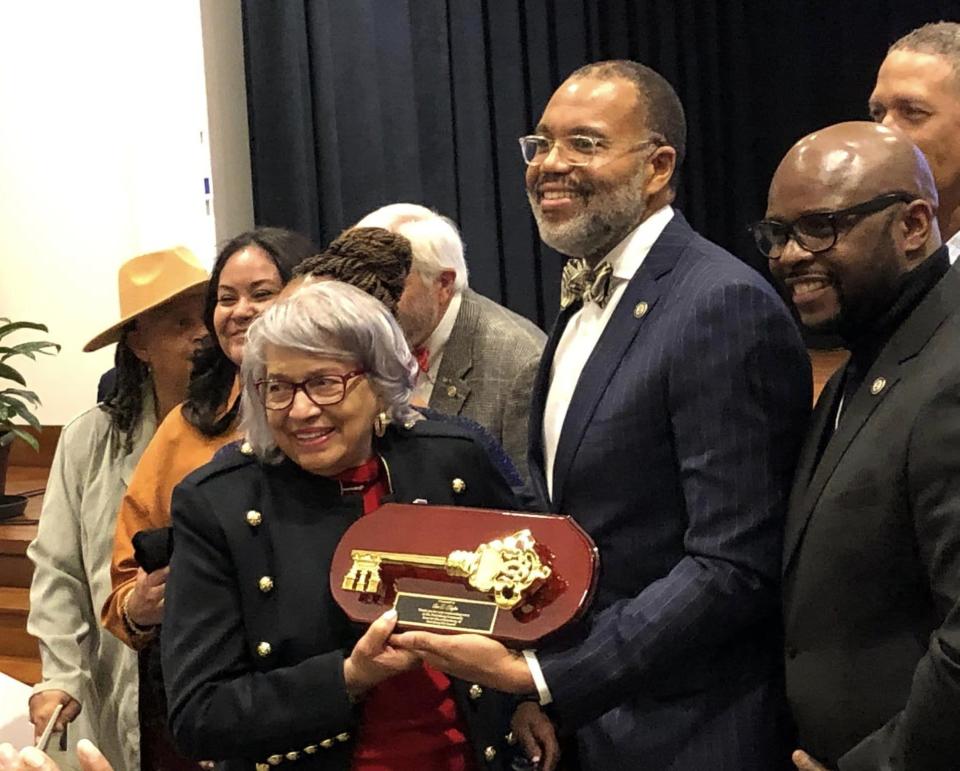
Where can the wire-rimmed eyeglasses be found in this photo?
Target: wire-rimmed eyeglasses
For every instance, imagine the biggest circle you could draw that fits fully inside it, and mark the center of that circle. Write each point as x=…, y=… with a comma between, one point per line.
x=574, y=150
x=322, y=390
x=818, y=231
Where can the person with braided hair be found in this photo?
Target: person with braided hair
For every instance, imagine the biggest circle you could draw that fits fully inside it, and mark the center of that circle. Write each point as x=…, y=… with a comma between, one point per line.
x=372, y=259
x=91, y=674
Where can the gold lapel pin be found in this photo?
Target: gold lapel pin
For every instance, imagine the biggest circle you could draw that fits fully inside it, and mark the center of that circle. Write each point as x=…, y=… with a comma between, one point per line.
x=878, y=385
x=640, y=310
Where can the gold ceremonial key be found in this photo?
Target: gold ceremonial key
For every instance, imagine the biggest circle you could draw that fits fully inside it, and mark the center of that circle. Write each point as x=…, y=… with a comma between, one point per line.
x=507, y=567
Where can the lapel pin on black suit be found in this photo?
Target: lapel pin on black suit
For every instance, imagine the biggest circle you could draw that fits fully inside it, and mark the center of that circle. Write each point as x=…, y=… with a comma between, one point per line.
x=878, y=385
x=640, y=309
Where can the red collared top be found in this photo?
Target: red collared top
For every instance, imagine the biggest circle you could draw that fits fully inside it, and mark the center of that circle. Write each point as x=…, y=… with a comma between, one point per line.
x=410, y=722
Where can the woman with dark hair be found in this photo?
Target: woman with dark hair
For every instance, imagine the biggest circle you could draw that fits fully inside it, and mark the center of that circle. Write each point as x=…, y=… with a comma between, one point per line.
x=87, y=672
x=247, y=276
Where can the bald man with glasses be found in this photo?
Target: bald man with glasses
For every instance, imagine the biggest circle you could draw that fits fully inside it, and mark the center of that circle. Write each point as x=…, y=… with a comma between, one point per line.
x=871, y=565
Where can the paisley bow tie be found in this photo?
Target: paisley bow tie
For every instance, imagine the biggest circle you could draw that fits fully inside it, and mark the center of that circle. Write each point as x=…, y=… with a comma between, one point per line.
x=581, y=282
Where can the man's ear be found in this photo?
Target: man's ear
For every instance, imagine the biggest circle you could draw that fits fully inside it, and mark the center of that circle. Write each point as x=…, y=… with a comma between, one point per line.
x=917, y=224
x=447, y=278
x=445, y=281
x=663, y=163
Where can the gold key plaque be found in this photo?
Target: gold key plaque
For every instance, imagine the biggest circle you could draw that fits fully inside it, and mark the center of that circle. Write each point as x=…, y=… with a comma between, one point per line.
x=505, y=568
x=529, y=575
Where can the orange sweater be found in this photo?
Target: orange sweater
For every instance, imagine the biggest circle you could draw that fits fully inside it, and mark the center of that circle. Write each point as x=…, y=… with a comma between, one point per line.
x=175, y=450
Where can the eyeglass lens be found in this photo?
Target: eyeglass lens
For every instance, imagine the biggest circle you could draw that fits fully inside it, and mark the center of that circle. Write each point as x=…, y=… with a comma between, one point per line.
x=575, y=150
x=322, y=391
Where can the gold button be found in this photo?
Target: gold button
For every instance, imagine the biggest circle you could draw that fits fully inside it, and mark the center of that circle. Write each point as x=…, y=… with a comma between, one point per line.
x=458, y=485
x=475, y=692
x=326, y=744
x=878, y=385
x=275, y=760
x=640, y=310
x=246, y=449
x=511, y=738
x=311, y=749
x=293, y=755
x=265, y=584
x=254, y=518
x=263, y=767
x=263, y=649
x=489, y=754
x=344, y=737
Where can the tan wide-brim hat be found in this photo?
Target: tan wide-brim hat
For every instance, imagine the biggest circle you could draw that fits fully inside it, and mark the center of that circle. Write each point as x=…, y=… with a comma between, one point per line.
x=147, y=282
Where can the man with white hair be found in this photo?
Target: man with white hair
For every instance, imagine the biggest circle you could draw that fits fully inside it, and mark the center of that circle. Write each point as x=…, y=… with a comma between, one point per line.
x=477, y=358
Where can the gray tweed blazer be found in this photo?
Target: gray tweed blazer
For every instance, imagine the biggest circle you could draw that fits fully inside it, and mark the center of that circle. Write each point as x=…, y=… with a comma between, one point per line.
x=487, y=372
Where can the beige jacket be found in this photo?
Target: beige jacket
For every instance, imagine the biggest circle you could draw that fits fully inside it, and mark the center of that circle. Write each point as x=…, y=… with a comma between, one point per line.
x=71, y=581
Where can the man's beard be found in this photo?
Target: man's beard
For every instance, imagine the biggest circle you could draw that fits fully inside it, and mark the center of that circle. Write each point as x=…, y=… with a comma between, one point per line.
x=608, y=215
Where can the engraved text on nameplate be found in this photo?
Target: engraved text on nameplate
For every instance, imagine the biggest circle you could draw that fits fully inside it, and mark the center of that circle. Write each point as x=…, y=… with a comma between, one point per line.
x=454, y=613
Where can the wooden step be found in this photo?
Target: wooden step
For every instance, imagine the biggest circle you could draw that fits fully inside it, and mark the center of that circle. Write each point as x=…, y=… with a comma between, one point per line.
x=22, y=669
x=15, y=567
x=14, y=640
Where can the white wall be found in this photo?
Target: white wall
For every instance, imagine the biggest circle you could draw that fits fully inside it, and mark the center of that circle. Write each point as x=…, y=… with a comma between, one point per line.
x=227, y=117
x=103, y=152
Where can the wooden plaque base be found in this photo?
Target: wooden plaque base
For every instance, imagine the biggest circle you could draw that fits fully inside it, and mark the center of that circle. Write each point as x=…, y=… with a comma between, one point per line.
x=426, y=597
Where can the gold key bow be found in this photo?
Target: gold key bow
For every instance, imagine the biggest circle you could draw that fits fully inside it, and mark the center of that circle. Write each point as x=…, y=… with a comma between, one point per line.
x=506, y=567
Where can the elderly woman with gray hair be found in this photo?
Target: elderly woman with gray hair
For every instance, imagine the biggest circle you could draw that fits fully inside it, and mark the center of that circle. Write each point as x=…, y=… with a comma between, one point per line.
x=262, y=668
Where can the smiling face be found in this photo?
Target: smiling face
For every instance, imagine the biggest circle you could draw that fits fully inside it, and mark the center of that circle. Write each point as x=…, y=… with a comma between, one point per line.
x=919, y=93
x=249, y=284
x=847, y=286
x=323, y=440
x=584, y=211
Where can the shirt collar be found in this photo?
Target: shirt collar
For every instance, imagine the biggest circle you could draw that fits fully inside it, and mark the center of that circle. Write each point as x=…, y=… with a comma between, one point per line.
x=953, y=246
x=627, y=256
x=438, y=338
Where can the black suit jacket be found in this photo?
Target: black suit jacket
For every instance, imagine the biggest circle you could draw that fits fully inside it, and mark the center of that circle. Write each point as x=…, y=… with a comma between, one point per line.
x=872, y=558
x=226, y=700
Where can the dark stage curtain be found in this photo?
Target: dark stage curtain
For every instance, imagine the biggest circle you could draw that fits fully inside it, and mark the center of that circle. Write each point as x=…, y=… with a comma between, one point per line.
x=357, y=103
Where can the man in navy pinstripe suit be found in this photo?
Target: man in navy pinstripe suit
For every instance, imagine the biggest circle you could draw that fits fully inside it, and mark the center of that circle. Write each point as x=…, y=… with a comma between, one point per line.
x=666, y=419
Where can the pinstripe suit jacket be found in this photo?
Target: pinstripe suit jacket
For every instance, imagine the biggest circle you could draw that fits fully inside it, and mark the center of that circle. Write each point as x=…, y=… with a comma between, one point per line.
x=487, y=372
x=676, y=455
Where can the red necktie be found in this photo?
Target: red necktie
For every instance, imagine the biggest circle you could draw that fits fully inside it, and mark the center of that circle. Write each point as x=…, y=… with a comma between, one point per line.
x=423, y=358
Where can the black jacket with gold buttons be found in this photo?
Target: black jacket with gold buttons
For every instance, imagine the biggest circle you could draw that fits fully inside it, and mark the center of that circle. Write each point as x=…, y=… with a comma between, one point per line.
x=253, y=643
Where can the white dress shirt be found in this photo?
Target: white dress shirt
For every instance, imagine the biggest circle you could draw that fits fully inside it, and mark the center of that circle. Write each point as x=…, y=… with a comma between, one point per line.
x=585, y=327
x=435, y=345
x=579, y=338
x=953, y=247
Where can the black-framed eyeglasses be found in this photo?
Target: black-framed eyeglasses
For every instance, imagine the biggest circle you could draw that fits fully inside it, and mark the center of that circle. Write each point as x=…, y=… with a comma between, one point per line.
x=574, y=150
x=818, y=231
x=322, y=390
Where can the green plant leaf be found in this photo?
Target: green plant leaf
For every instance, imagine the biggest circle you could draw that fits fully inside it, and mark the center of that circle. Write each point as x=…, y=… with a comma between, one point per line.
x=29, y=349
x=9, y=373
x=20, y=409
x=12, y=432
x=13, y=326
x=29, y=396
